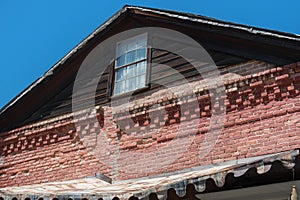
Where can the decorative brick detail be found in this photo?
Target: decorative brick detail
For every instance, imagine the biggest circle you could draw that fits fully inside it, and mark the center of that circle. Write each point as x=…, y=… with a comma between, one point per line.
x=53, y=154
x=262, y=117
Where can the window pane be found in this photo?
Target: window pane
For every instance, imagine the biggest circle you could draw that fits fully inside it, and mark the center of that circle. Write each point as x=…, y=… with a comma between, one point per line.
x=141, y=54
x=120, y=74
x=142, y=42
x=141, y=67
x=121, y=60
x=131, y=46
x=141, y=81
x=130, y=84
x=131, y=56
x=121, y=49
x=131, y=70
x=120, y=87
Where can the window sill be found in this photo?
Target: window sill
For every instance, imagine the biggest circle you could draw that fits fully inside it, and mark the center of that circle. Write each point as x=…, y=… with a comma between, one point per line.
x=131, y=93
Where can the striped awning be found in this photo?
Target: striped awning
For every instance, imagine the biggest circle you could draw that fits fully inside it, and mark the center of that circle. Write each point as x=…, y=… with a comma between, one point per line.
x=93, y=188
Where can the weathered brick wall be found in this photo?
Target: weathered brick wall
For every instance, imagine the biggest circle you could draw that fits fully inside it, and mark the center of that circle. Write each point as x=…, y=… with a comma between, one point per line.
x=262, y=117
x=45, y=152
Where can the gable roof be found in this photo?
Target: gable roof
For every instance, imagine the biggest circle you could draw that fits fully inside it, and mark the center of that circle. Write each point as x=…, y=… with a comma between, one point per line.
x=24, y=104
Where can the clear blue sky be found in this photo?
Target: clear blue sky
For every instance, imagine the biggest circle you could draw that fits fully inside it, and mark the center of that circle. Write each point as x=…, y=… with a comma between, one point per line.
x=35, y=34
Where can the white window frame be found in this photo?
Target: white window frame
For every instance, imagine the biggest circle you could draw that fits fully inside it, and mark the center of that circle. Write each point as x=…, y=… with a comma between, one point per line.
x=127, y=65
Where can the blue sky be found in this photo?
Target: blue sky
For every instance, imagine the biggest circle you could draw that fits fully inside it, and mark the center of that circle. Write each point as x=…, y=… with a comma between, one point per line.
x=35, y=34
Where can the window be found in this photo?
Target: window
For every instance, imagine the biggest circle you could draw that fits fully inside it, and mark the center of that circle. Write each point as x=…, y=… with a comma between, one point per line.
x=131, y=64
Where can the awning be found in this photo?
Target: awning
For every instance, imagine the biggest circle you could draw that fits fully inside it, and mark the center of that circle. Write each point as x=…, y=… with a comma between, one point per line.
x=93, y=188
x=277, y=191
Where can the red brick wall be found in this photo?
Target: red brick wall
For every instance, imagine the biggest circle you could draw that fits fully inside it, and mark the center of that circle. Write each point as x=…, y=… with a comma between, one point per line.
x=262, y=117
x=45, y=153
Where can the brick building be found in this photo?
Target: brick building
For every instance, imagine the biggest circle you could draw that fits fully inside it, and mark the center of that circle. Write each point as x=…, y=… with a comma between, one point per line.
x=156, y=122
